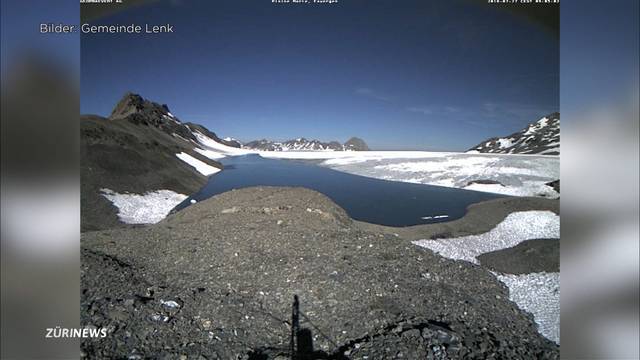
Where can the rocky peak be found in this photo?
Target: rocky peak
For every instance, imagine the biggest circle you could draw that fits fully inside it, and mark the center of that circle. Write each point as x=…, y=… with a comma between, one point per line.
x=135, y=104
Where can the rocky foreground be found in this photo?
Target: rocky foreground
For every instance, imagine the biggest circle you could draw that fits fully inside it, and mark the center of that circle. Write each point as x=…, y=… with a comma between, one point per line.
x=217, y=281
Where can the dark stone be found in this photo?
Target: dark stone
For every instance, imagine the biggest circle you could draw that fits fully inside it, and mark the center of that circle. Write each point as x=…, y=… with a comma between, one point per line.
x=555, y=185
x=485, y=182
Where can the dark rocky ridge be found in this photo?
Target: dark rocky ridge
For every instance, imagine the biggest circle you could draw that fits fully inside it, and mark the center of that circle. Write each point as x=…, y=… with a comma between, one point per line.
x=212, y=135
x=303, y=144
x=230, y=266
x=540, y=137
x=134, y=150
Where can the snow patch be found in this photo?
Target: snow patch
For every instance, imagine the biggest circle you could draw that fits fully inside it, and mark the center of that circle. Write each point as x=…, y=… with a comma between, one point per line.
x=526, y=188
x=211, y=144
x=213, y=155
x=515, y=228
x=539, y=294
x=148, y=208
x=467, y=165
x=202, y=167
x=505, y=143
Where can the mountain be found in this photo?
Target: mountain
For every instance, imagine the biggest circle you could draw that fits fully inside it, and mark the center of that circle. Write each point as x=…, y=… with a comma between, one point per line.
x=540, y=137
x=302, y=144
x=355, y=144
x=140, y=148
x=206, y=132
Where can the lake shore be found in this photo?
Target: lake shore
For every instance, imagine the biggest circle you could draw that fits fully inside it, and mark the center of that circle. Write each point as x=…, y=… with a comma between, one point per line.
x=480, y=218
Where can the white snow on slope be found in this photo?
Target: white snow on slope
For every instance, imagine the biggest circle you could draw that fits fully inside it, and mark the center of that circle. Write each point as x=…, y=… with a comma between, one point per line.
x=202, y=167
x=213, y=155
x=539, y=294
x=210, y=144
x=505, y=143
x=149, y=208
x=514, y=229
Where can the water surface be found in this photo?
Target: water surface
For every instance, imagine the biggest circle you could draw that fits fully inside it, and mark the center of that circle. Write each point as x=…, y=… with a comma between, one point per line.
x=367, y=199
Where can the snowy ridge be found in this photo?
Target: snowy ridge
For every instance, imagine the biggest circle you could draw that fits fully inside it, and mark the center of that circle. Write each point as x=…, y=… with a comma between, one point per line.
x=541, y=137
x=303, y=144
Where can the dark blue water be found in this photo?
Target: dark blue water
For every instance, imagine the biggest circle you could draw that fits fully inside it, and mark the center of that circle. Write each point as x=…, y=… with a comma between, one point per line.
x=375, y=201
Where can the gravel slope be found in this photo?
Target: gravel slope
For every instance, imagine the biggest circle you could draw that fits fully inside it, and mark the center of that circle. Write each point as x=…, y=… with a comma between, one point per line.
x=531, y=256
x=217, y=280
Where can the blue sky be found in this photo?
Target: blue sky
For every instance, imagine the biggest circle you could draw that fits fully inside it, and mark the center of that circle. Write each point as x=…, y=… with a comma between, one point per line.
x=433, y=75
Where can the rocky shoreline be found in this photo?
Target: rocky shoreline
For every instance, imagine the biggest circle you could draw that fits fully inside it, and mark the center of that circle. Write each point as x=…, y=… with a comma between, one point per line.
x=217, y=281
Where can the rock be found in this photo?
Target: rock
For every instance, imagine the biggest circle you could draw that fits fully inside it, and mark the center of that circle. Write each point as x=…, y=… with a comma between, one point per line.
x=412, y=334
x=535, y=255
x=485, y=182
x=170, y=304
x=231, y=210
x=555, y=185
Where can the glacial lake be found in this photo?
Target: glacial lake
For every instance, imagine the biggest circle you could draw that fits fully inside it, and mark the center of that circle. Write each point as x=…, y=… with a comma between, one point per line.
x=366, y=199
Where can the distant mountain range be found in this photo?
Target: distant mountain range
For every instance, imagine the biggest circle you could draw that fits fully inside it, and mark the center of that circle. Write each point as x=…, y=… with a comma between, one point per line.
x=541, y=137
x=302, y=144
